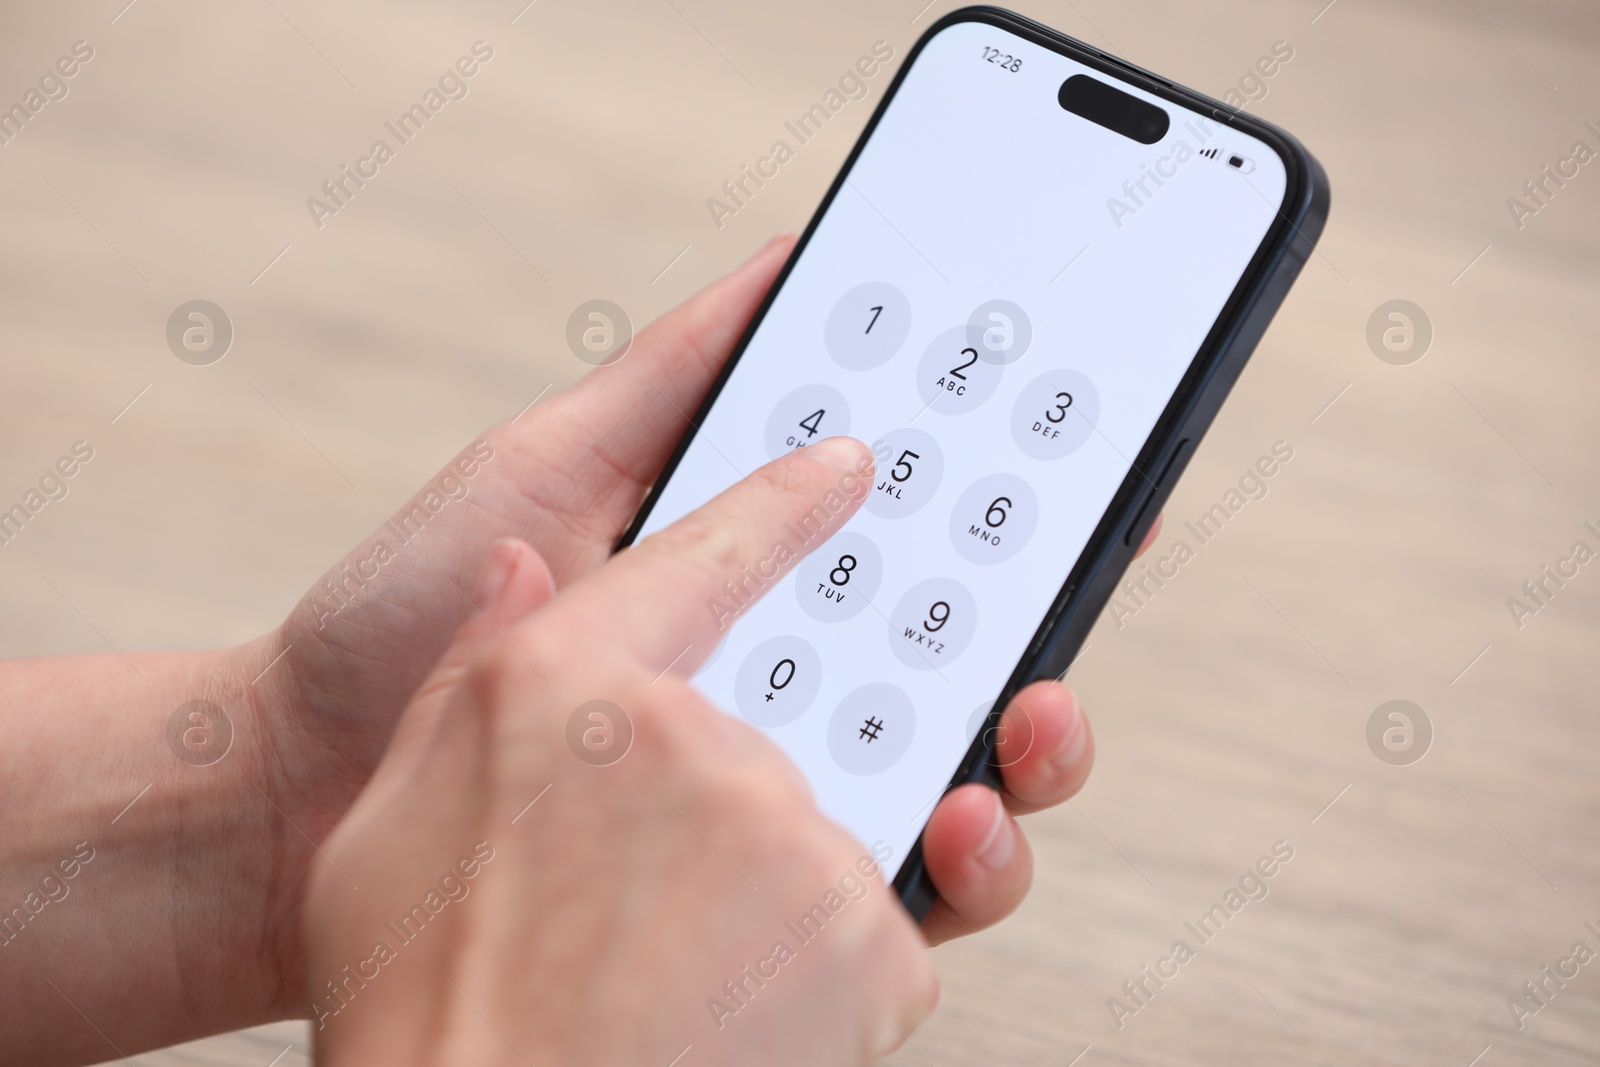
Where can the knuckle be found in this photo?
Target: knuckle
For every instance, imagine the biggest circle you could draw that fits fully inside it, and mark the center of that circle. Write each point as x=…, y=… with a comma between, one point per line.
x=499, y=674
x=786, y=477
x=490, y=671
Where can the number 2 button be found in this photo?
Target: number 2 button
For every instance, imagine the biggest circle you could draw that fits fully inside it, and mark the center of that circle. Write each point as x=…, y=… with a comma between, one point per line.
x=952, y=379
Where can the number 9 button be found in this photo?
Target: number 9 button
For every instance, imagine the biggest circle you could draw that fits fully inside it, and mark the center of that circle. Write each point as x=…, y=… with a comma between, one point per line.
x=837, y=581
x=933, y=623
x=994, y=518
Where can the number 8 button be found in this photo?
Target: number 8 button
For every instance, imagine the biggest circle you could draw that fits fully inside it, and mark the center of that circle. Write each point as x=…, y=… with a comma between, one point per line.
x=837, y=581
x=994, y=518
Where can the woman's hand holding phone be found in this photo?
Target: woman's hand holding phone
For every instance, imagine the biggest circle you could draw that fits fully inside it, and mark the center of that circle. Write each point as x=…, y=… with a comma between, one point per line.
x=495, y=897
x=568, y=475
x=316, y=703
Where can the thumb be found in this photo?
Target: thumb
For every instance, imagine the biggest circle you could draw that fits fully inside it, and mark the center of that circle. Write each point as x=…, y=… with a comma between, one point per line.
x=407, y=835
x=514, y=583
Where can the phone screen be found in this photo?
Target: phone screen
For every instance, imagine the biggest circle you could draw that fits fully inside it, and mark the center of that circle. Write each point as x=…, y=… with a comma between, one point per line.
x=1001, y=300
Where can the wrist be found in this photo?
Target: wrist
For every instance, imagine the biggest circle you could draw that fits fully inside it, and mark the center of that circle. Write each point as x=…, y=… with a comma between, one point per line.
x=229, y=824
x=185, y=898
x=296, y=790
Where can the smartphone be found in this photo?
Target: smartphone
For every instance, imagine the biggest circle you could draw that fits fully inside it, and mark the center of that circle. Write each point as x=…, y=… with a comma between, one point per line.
x=1029, y=290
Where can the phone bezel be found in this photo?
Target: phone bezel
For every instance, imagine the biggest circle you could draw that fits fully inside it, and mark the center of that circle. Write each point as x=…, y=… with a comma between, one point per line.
x=1189, y=411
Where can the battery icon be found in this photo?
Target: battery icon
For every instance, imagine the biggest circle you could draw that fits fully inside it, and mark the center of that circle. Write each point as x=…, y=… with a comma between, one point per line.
x=1242, y=164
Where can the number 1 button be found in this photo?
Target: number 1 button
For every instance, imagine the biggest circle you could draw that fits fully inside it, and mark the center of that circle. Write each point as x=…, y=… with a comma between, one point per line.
x=867, y=326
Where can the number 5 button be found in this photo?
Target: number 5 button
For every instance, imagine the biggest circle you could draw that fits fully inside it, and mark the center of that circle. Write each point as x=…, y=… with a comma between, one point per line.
x=910, y=468
x=994, y=518
x=805, y=417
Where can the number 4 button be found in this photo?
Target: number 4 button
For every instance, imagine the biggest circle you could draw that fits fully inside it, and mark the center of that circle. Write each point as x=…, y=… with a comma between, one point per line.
x=805, y=417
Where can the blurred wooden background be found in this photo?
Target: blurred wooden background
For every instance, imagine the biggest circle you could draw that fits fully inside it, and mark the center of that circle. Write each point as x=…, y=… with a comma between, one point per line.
x=1231, y=710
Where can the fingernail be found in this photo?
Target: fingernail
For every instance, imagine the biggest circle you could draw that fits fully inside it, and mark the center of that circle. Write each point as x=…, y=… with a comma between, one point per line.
x=496, y=574
x=843, y=454
x=771, y=241
x=1000, y=843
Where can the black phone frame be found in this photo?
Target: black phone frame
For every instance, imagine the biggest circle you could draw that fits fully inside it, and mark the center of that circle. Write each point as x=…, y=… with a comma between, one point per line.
x=1194, y=404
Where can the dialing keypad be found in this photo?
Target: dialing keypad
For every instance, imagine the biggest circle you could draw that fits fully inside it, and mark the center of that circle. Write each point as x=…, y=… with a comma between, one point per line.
x=987, y=521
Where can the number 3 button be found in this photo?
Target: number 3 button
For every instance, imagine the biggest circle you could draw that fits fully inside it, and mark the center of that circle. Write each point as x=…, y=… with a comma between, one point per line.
x=805, y=417
x=1055, y=414
x=994, y=518
x=837, y=581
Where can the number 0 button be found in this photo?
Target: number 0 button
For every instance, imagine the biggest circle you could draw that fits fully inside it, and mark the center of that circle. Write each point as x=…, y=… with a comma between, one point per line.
x=952, y=379
x=910, y=468
x=778, y=681
x=805, y=417
x=837, y=581
x=994, y=518
x=933, y=623
x=871, y=729
x=867, y=326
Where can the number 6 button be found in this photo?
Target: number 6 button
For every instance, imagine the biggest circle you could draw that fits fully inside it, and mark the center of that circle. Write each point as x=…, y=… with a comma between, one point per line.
x=805, y=417
x=994, y=518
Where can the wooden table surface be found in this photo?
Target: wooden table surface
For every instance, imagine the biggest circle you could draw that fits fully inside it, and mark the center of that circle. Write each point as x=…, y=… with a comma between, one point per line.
x=1231, y=708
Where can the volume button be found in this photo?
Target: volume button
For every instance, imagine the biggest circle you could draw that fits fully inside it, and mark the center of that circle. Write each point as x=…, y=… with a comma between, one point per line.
x=1137, y=529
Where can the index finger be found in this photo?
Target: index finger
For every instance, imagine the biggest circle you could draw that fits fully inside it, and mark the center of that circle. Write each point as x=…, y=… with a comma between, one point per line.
x=672, y=596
